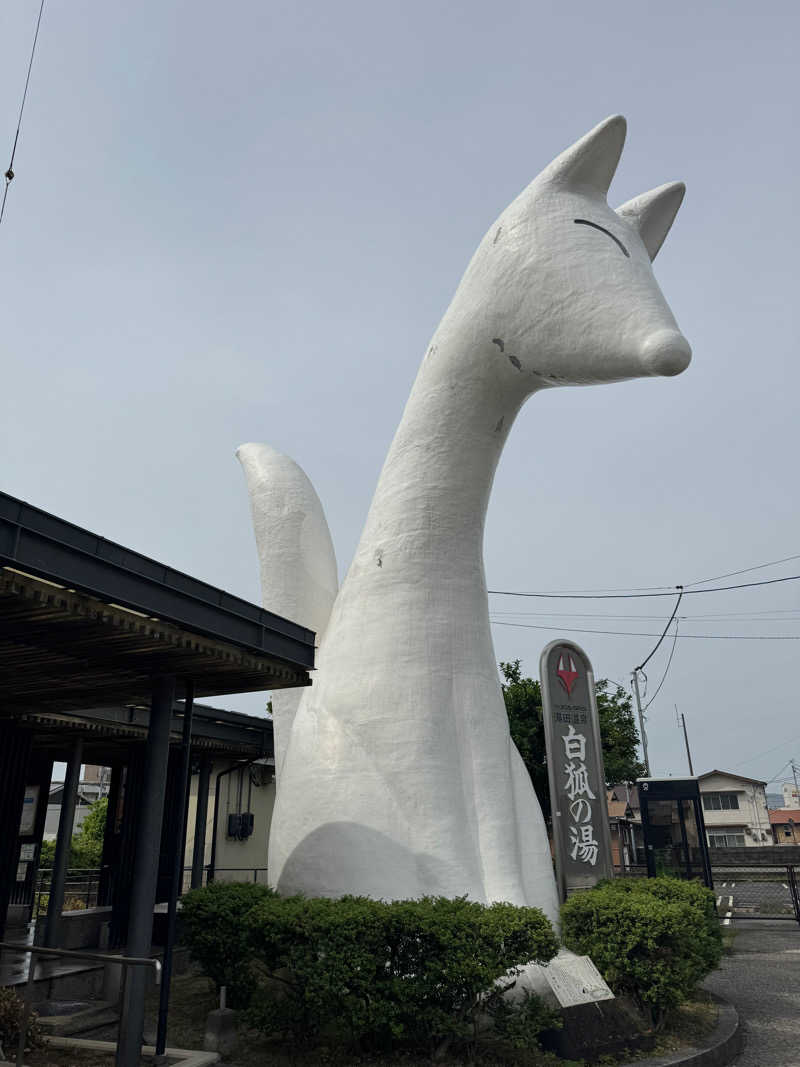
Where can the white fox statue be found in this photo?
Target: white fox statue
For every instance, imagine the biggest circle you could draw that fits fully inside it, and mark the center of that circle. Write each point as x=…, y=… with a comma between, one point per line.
x=397, y=776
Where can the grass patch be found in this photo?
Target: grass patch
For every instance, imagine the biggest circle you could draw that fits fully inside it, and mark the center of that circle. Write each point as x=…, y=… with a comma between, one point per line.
x=689, y=1024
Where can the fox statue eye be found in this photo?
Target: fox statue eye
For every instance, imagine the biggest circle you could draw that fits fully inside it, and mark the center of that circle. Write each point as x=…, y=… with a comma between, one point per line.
x=602, y=229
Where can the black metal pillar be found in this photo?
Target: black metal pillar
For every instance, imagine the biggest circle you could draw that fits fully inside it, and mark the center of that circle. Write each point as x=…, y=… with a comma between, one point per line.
x=15, y=749
x=66, y=824
x=177, y=870
x=200, y=819
x=145, y=872
x=111, y=838
x=125, y=852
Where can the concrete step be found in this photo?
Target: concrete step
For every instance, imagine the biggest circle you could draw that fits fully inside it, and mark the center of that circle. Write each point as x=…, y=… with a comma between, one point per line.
x=93, y=1017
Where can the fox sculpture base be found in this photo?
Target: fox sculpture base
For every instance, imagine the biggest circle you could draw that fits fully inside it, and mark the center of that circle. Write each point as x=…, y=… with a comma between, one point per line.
x=399, y=777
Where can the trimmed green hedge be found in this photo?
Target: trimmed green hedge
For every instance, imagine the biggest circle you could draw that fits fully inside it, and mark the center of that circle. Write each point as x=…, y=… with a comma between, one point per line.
x=362, y=972
x=372, y=973
x=213, y=926
x=653, y=939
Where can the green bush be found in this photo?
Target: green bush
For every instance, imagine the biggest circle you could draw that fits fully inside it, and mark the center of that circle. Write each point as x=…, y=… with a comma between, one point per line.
x=373, y=974
x=213, y=926
x=695, y=895
x=521, y=1024
x=11, y=1008
x=652, y=939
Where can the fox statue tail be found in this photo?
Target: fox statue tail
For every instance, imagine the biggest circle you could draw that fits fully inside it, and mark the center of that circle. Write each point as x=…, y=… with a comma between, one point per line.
x=298, y=565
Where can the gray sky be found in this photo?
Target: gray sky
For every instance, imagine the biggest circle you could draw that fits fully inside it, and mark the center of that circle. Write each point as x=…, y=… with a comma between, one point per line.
x=243, y=222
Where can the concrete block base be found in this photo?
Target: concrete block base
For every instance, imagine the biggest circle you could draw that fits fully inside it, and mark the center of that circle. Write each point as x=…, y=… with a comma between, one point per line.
x=220, y=1035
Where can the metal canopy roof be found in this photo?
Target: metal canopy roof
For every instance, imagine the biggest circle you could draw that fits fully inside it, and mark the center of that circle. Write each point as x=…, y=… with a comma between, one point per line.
x=108, y=731
x=85, y=622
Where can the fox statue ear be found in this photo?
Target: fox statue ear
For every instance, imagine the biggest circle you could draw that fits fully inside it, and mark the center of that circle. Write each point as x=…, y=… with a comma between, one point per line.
x=653, y=214
x=589, y=165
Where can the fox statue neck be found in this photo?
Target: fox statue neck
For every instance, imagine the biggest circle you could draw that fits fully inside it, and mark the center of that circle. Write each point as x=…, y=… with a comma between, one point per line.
x=433, y=492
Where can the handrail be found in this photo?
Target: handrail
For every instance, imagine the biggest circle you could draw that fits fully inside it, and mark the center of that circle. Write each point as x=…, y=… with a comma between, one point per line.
x=40, y=950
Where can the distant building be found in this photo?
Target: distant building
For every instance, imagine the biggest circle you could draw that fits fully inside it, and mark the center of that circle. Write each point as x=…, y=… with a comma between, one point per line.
x=785, y=823
x=791, y=796
x=625, y=823
x=734, y=810
x=775, y=801
x=93, y=786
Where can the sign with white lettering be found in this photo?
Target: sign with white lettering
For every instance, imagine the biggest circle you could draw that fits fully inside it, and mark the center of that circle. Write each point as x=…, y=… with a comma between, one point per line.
x=575, y=768
x=27, y=820
x=576, y=980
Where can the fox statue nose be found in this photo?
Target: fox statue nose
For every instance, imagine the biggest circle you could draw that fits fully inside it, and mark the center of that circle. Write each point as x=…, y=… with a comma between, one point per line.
x=666, y=353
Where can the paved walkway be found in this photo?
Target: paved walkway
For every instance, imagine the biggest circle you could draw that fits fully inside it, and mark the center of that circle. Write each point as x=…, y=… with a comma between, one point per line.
x=761, y=977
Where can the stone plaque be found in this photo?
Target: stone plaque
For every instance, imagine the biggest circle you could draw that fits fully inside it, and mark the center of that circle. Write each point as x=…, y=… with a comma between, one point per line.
x=576, y=980
x=575, y=768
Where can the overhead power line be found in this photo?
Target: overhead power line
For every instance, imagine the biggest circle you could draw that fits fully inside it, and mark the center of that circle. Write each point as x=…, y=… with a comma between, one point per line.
x=775, y=777
x=628, y=633
x=745, y=570
x=666, y=669
x=636, y=596
x=9, y=174
x=746, y=617
x=767, y=752
x=644, y=663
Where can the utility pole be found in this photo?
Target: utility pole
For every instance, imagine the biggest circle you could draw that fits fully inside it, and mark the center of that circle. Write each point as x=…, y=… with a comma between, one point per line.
x=642, y=733
x=686, y=739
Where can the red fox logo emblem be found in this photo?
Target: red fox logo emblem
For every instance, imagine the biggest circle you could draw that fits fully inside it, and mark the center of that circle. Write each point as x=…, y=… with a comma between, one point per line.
x=567, y=672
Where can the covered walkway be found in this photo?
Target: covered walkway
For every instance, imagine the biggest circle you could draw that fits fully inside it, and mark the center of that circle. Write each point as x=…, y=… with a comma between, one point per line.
x=102, y=653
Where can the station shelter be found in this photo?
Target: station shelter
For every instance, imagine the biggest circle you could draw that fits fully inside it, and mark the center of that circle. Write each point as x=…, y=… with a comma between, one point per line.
x=103, y=652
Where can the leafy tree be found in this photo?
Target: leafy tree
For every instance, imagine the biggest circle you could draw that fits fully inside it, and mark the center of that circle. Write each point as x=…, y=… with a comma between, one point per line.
x=86, y=847
x=619, y=733
x=87, y=844
x=47, y=855
x=523, y=699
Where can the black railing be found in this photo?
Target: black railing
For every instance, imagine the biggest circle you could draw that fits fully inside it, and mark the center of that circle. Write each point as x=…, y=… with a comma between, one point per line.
x=630, y=870
x=81, y=889
x=243, y=874
x=28, y=952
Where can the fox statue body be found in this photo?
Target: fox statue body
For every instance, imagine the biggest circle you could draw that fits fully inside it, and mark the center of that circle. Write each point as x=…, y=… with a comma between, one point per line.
x=397, y=776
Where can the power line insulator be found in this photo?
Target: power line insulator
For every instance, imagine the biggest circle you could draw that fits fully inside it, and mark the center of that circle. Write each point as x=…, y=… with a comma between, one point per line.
x=9, y=174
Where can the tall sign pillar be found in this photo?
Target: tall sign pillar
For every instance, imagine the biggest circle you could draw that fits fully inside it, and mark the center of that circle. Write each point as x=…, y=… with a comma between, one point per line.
x=575, y=768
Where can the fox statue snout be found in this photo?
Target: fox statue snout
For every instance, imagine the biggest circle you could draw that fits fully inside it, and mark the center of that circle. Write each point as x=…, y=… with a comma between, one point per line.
x=667, y=352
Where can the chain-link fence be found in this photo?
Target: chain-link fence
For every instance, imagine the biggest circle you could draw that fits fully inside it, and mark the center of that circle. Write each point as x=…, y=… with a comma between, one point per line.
x=760, y=892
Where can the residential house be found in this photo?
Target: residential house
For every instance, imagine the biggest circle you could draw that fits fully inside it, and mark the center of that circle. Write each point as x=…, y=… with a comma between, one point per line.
x=735, y=810
x=625, y=823
x=93, y=785
x=785, y=823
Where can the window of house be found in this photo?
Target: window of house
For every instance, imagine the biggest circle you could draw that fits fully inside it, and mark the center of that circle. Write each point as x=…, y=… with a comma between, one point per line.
x=720, y=802
x=726, y=840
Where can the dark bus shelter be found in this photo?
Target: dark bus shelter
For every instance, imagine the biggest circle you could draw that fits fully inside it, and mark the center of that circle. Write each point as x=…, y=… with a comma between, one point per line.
x=102, y=653
x=674, y=828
